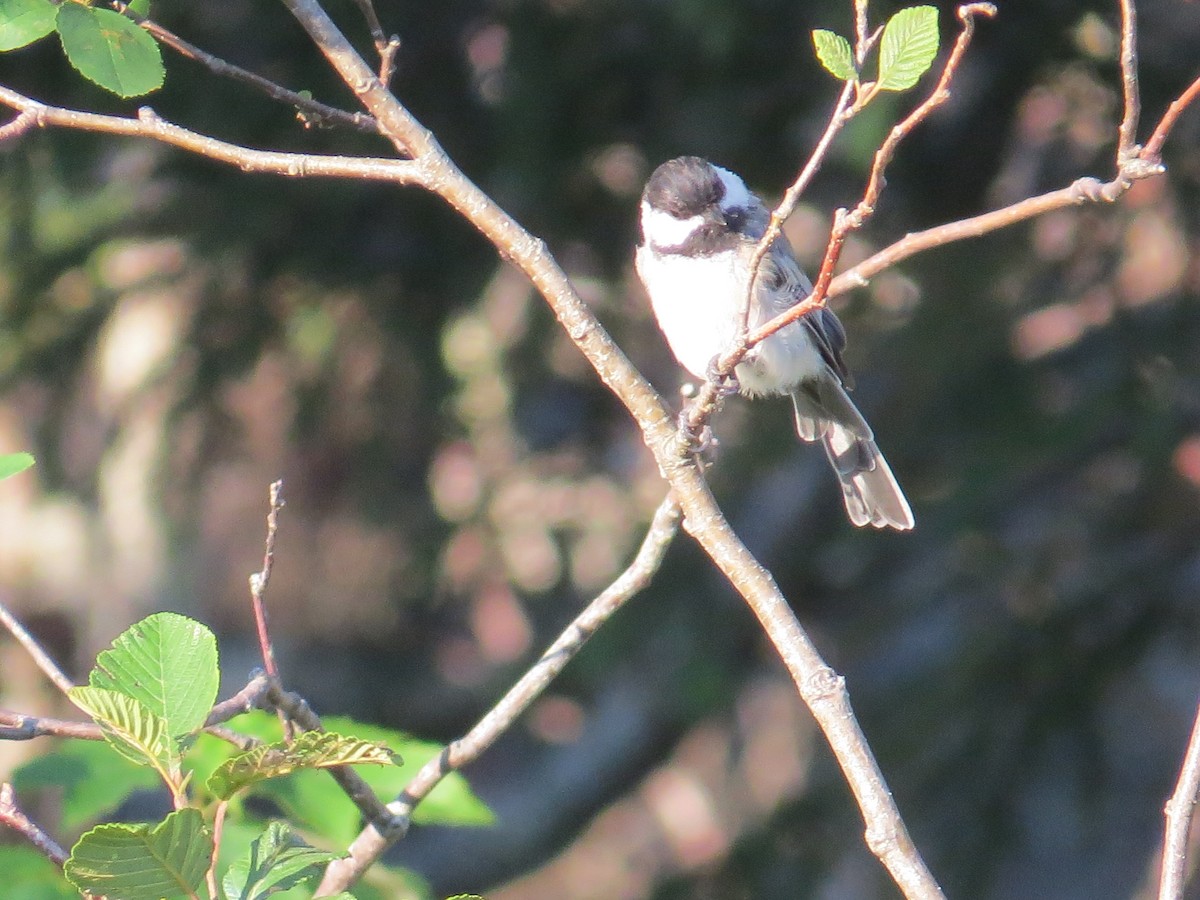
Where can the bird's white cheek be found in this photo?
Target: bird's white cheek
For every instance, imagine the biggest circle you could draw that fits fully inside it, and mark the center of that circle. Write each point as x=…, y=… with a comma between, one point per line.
x=664, y=230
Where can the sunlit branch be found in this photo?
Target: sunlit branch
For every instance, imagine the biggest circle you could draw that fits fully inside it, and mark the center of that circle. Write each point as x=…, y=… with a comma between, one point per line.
x=150, y=125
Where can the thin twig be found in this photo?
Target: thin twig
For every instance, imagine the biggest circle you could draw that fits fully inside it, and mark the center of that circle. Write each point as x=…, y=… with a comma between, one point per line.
x=844, y=222
x=296, y=709
x=312, y=112
x=248, y=698
x=366, y=848
x=385, y=46
x=258, y=589
x=1178, y=813
x=48, y=666
x=24, y=121
x=12, y=816
x=1152, y=152
x=1127, y=133
x=259, y=580
x=862, y=41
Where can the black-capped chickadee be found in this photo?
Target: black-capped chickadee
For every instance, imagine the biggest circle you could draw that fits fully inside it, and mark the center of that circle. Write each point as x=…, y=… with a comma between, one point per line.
x=700, y=227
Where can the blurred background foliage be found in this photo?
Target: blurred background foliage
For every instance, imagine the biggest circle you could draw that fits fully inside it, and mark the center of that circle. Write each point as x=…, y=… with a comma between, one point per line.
x=174, y=335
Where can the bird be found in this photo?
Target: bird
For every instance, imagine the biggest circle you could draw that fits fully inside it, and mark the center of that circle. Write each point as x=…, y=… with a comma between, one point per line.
x=700, y=226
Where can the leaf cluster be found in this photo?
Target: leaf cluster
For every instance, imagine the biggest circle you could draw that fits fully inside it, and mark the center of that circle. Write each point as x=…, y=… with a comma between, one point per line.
x=906, y=51
x=151, y=693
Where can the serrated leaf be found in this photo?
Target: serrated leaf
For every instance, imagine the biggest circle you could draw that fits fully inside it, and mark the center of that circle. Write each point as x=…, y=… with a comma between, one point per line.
x=311, y=750
x=313, y=801
x=23, y=22
x=109, y=49
x=277, y=860
x=835, y=54
x=12, y=463
x=909, y=44
x=143, y=862
x=135, y=732
x=168, y=663
x=91, y=778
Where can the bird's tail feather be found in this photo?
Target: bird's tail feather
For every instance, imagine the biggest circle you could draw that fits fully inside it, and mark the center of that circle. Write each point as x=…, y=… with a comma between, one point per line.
x=872, y=495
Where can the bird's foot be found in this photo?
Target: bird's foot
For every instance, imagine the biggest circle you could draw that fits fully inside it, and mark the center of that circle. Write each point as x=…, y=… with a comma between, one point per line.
x=727, y=383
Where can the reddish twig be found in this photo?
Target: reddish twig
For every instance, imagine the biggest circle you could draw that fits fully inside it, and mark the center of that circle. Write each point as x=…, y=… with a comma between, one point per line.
x=844, y=222
x=1152, y=152
x=24, y=121
x=1178, y=813
x=258, y=589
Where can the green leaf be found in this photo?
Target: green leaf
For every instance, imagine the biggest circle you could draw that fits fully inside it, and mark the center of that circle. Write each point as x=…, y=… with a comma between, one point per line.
x=109, y=49
x=313, y=802
x=12, y=463
x=143, y=862
x=311, y=750
x=835, y=54
x=91, y=778
x=277, y=860
x=909, y=44
x=133, y=730
x=139, y=8
x=23, y=22
x=168, y=663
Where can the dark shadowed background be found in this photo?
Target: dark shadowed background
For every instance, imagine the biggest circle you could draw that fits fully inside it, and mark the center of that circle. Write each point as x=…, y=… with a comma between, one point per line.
x=174, y=335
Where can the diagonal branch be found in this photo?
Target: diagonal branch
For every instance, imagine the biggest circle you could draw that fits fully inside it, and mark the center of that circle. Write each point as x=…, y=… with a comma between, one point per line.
x=48, y=666
x=822, y=689
x=659, y=536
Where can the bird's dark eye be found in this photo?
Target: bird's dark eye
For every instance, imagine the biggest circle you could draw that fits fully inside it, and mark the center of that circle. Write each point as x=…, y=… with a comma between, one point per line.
x=735, y=218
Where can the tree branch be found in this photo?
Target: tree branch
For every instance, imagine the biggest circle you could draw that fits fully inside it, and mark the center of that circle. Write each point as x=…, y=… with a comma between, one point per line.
x=367, y=847
x=48, y=666
x=12, y=816
x=1178, y=813
x=312, y=112
x=149, y=125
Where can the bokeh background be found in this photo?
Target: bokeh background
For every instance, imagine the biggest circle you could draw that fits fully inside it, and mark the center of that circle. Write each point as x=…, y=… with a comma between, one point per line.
x=174, y=335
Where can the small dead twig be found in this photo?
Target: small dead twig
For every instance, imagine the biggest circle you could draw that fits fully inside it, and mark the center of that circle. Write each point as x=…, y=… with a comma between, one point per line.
x=258, y=589
x=386, y=47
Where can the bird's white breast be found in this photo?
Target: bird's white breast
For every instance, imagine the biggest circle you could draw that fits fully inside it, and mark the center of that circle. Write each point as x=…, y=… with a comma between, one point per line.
x=696, y=299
